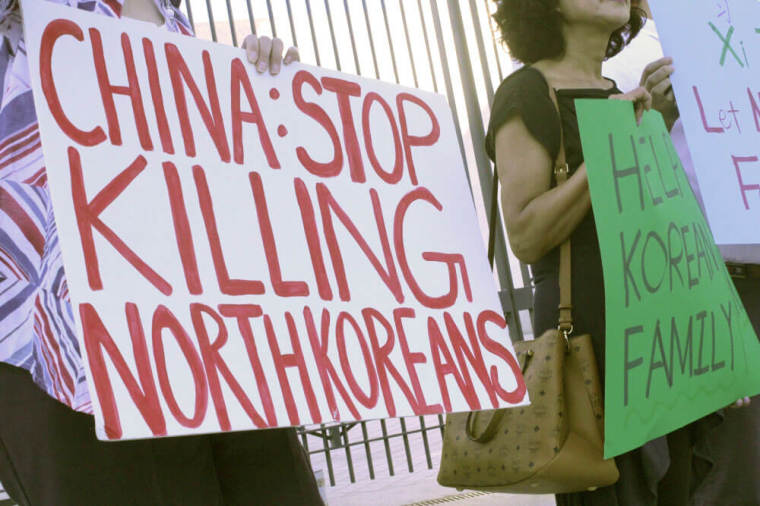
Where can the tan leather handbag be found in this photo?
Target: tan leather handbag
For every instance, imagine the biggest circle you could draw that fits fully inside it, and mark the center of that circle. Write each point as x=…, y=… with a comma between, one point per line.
x=555, y=445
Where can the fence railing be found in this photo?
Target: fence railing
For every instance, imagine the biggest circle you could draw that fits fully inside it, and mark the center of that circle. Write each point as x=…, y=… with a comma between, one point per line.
x=444, y=46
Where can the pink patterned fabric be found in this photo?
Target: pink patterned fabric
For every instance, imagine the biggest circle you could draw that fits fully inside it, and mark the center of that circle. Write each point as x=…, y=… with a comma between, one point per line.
x=37, y=330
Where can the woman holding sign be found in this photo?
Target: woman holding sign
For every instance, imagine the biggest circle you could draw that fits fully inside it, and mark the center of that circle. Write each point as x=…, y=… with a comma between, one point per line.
x=48, y=451
x=563, y=44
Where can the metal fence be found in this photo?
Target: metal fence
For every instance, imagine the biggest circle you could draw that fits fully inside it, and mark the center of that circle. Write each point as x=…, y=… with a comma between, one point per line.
x=444, y=46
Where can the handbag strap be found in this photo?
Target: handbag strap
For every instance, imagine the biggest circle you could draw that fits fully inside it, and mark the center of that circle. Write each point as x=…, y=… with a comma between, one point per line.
x=561, y=173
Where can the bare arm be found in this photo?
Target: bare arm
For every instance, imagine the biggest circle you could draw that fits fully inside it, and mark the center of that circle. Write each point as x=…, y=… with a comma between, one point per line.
x=538, y=217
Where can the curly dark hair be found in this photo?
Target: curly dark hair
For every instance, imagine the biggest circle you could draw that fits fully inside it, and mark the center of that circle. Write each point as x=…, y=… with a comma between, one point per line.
x=532, y=29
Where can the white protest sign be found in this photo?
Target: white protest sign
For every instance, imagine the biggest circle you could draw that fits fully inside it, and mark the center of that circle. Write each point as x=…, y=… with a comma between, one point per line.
x=716, y=51
x=244, y=251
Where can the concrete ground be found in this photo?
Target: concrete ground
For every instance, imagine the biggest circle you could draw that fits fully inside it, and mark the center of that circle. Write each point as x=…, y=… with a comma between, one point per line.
x=420, y=489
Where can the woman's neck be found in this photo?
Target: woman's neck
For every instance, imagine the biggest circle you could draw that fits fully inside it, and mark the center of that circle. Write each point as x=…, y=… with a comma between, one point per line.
x=142, y=10
x=580, y=66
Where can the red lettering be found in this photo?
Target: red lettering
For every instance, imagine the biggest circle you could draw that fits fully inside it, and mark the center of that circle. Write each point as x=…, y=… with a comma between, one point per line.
x=344, y=90
x=410, y=359
x=327, y=373
x=708, y=129
x=108, y=90
x=164, y=319
x=158, y=99
x=243, y=313
x=181, y=76
x=182, y=231
x=368, y=400
x=312, y=239
x=227, y=285
x=414, y=140
x=395, y=175
x=384, y=363
x=447, y=366
x=755, y=108
x=500, y=351
x=471, y=354
x=88, y=213
x=53, y=31
x=295, y=359
x=451, y=260
x=281, y=288
x=239, y=79
x=329, y=206
x=144, y=395
x=334, y=166
x=743, y=187
x=215, y=365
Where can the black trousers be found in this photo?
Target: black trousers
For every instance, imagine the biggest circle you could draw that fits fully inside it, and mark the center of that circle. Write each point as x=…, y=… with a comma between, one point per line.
x=49, y=456
x=735, y=444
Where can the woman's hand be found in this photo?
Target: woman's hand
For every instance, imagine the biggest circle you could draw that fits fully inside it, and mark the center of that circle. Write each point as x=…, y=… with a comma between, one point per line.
x=266, y=53
x=641, y=98
x=656, y=79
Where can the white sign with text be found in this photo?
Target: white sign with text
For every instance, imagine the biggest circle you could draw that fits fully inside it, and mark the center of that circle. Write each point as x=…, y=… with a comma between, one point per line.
x=245, y=251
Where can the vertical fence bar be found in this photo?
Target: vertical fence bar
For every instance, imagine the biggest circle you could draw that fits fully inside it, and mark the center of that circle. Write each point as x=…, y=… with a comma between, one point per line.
x=485, y=171
x=304, y=440
x=407, y=450
x=271, y=18
x=232, y=23
x=251, y=19
x=388, y=454
x=493, y=40
x=390, y=40
x=447, y=80
x=351, y=34
x=371, y=39
x=425, y=443
x=427, y=45
x=211, y=22
x=328, y=457
x=481, y=51
x=292, y=24
x=190, y=14
x=349, y=459
x=313, y=33
x=408, y=43
x=368, y=451
x=332, y=34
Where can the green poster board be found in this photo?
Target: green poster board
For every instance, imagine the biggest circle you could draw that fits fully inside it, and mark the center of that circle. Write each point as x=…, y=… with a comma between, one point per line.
x=679, y=344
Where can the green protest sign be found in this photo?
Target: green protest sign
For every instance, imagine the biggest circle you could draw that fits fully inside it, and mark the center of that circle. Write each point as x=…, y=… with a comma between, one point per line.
x=679, y=344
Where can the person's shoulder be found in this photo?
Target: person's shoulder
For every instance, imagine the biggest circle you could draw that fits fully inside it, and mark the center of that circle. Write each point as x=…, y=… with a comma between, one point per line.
x=525, y=94
x=524, y=81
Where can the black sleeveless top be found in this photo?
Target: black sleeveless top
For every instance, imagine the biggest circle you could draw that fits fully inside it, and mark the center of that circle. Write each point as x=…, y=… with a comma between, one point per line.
x=525, y=93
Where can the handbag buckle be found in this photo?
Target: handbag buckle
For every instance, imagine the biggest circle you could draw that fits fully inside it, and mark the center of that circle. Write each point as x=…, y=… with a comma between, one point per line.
x=566, y=332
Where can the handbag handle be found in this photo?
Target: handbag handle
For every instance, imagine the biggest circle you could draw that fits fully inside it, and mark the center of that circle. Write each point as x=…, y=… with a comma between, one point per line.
x=561, y=173
x=491, y=427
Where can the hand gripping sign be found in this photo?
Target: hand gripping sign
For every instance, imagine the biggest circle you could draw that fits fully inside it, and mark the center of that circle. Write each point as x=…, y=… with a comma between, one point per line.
x=244, y=251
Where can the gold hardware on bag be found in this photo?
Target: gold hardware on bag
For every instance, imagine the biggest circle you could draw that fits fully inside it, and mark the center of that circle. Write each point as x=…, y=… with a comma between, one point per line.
x=528, y=355
x=566, y=333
